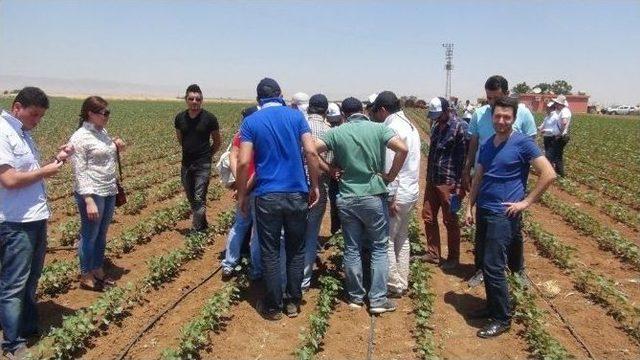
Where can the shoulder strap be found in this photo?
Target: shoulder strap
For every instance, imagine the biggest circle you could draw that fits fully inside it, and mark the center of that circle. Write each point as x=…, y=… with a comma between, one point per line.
x=119, y=165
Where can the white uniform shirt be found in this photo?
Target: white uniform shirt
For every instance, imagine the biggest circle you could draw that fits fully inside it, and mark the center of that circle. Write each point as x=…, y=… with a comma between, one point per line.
x=18, y=150
x=405, y=188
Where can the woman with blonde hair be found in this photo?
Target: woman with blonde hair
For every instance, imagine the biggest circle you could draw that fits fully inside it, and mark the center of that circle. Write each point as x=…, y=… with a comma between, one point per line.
x=95, y=189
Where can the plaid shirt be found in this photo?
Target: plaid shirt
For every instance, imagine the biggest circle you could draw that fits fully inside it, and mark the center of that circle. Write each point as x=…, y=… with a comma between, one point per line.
x=319, y=127
x=446, y=153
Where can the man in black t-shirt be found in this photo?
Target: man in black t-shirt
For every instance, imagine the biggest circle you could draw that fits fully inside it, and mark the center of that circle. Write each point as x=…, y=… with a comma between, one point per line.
x=194, y=127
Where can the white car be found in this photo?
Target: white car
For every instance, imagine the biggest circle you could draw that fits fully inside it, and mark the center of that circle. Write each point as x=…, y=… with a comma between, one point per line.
x=620, y=110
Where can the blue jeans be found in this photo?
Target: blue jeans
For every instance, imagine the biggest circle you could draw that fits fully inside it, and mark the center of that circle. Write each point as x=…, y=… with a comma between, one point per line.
x=497, y=233
x=365, y=222
x=275, y=212
x=314, y=221
x=93, y=233
x=234, y=243
x=22, y=250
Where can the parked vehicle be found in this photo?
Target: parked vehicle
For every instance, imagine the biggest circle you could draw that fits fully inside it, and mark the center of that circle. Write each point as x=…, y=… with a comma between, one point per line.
x=620, y=110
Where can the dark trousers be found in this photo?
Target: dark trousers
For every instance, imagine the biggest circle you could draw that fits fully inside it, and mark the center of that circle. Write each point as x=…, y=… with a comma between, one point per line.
x=195, y=180
x=515, y=252
x=496, y=234
x=335, y=218
x=554, y=151
x=22, y=250
x=274, y=212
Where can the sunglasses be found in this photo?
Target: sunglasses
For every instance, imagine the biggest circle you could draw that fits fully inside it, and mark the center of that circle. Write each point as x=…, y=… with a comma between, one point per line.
x=196, y=99
x=105, y=112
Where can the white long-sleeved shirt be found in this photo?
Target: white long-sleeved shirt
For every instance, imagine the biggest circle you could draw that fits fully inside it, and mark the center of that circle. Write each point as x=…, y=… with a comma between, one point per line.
x=406, y=187
x=94, y=161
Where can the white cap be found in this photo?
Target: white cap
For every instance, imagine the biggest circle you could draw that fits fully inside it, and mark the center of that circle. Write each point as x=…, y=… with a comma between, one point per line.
x=435, y=108
x=333, y=110
x=300, y=98
x=562, y=100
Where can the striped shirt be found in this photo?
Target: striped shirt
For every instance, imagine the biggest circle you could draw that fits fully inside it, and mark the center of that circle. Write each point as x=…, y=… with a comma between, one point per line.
x=446, y=153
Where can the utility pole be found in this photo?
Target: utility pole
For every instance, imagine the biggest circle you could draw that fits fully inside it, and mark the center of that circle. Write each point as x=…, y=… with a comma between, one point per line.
x=448, y=56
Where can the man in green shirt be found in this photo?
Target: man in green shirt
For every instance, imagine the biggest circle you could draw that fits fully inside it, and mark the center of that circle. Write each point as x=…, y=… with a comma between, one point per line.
x=359, y=148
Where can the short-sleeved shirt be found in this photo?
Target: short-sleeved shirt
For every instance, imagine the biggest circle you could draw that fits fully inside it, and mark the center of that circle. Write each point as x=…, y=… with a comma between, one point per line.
x=18, y=150
x=481, y=123
x=506, y=167
x=236, y=143
x=196, y=134
x=359, y=149
x=276, y=134
x=565, y=114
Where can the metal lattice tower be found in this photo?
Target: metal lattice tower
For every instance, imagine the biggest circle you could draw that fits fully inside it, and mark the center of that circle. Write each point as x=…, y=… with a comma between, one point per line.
x=448, y=56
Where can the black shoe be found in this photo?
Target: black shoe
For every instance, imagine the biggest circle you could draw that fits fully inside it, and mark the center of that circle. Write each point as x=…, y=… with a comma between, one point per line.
x=493, y=329
x=227, y=274
x=394, y=294
x=272, y=315
x=479, y=314
x=292, y=309
x=450, y=264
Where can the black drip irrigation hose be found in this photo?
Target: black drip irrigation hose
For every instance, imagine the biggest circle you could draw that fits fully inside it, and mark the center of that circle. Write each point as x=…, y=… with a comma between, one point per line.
x=566, y=323
x=164, y=312
x=372, y=336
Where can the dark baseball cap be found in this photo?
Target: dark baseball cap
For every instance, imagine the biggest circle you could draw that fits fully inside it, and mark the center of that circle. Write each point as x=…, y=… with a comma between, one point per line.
x=351, y=105
x=319, y=102
x=268, y=88
x=386, y=99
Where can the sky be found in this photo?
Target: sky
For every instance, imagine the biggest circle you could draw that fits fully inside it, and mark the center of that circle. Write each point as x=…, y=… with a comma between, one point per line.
x=339, y=48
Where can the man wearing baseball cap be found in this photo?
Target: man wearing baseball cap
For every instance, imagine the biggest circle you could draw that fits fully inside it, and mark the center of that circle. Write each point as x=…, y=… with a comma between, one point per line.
x=444, y=182
x=274, y=137
x=560, y=141
x=358, y=149
x=403, y=192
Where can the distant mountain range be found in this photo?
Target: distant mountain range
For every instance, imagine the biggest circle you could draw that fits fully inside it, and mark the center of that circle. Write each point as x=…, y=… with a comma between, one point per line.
x=85, y=87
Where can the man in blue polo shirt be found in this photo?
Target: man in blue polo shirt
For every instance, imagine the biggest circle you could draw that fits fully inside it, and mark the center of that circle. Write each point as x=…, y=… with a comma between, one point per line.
x=498, y=189
x=275, y=136
x=481, y=129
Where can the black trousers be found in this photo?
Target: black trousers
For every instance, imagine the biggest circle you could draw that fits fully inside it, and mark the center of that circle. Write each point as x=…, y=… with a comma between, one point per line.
x=195, y=180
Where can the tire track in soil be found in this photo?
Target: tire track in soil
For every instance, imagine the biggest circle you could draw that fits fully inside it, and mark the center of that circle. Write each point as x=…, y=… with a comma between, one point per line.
x=597, y=329
x=113, y=341
x=588, y=252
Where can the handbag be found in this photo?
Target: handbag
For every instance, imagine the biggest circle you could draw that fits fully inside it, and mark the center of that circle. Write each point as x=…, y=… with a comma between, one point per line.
x=224, y=169
x=121, y=196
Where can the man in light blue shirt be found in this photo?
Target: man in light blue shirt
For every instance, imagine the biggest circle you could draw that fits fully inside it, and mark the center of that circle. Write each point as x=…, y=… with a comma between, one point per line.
x=481, y=129
x=23, y=217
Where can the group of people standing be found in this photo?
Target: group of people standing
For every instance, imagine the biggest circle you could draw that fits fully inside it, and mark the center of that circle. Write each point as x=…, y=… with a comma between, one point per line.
x=288, y=162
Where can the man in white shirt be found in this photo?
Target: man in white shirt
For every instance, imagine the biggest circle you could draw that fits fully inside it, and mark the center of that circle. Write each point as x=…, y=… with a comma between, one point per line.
x=403, y=192
x=23, y=217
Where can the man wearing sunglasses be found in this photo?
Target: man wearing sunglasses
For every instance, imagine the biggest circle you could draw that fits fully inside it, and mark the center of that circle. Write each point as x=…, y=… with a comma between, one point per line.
x=194, y=127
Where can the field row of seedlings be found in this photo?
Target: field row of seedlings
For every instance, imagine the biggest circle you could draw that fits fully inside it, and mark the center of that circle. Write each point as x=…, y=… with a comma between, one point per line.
x=598, y=287
x=66, y=340
x=623, y=214
x=607, y=239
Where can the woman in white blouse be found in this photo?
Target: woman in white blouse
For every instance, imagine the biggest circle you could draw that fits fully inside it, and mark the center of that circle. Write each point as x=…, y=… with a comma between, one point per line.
x=94, y=167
